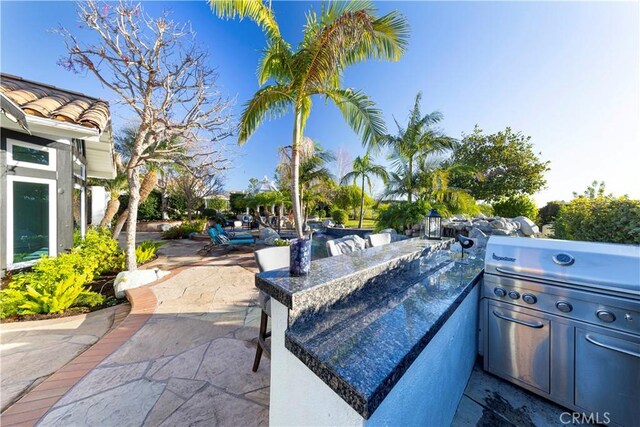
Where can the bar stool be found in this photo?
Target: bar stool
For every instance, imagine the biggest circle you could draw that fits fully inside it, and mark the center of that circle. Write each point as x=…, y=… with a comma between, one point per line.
x=267, y=259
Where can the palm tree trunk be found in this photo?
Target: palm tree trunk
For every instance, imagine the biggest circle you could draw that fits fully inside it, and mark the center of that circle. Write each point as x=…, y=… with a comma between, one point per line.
x=148, y=184
x=410, y=181
x=361, y=204
x=295, y=169
x=112, y=209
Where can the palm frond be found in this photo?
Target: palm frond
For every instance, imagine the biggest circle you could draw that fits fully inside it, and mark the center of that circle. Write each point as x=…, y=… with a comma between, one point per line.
x=270, y=101
x=360, y=113
x=255, y=10
x=276, y=63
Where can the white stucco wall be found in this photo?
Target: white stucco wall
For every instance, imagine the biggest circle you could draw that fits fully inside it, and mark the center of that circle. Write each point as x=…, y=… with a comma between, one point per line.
x=427, y=394
x=99, y=199
x=298, y=396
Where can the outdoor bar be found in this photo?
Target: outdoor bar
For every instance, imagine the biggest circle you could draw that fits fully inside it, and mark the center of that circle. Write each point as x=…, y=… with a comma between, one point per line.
x=382, y=336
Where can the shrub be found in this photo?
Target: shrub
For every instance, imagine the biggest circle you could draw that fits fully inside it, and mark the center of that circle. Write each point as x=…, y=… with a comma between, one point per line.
x=89, y=299
x=599, y=219
x=147, y=250
x=322, y=213
x=281, y=242
x=402, y=215
x=10, y=302
x=513, y=206
x=340, y=216
x=486, y=209
x=175, y=232
x=183, y=230
x=548, y=214
x=55, y=284
x=101, y=249
x=151, y=208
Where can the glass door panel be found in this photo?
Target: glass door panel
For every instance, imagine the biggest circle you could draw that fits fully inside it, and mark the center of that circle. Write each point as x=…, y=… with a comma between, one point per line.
x=30, y=221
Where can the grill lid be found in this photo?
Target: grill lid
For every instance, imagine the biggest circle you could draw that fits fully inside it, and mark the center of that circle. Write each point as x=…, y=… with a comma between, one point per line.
x=602, y=266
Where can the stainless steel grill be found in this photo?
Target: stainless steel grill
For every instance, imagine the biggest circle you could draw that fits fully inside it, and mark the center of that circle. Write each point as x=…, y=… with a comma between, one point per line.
x=562, y=319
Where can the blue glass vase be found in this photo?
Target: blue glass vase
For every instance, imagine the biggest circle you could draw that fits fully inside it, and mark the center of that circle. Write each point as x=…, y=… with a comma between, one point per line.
x=300, y=256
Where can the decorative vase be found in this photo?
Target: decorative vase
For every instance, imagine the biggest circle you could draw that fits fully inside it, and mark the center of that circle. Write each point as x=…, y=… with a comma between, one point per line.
x=300, y=256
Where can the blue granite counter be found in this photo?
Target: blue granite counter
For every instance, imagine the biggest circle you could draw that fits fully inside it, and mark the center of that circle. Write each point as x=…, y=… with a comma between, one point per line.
x=359, y=321
x=333, y=278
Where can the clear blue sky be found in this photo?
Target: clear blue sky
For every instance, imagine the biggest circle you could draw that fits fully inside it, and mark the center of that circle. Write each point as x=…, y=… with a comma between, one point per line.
x=567, y=74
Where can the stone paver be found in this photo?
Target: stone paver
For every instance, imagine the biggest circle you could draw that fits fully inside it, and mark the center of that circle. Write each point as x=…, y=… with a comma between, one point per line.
x=189, y=364
x=31, y=351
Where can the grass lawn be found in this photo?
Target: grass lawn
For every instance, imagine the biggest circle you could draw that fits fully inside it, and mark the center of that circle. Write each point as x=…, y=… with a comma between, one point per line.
x=366, y=223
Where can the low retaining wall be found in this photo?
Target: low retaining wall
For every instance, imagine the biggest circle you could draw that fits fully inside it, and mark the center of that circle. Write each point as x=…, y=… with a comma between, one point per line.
x=342, y=232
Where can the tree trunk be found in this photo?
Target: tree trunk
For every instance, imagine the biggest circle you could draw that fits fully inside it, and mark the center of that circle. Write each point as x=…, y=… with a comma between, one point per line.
x=410, y=181
x=295, y=167
x=165, y=203
x=112, y=209
x=361, y=204
x=148, y=184
x=133, y=176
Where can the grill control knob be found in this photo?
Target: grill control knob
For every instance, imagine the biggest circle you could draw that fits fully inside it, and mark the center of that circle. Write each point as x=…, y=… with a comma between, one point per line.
x=605, y=316
x=500, y=292
x=564, y=306
x=529, y=299
x=514, y=295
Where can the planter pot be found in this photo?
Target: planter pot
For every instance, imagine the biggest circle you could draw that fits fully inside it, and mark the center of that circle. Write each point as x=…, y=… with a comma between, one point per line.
x=300, y=256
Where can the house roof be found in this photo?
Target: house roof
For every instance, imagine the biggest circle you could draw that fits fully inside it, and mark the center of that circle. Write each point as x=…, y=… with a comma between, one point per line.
x=43, y=100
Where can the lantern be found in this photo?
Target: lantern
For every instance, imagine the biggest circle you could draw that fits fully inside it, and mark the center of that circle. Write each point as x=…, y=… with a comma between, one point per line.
x=432, y=225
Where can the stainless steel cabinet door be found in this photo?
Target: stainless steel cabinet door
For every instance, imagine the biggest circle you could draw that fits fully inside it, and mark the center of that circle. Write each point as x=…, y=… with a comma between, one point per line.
x=607, y=378
x=519, y=347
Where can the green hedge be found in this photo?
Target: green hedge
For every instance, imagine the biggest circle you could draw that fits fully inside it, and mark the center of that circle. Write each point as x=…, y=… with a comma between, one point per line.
x=340, y=216
x=518, y=205
x=599, y=219
x=402, y=215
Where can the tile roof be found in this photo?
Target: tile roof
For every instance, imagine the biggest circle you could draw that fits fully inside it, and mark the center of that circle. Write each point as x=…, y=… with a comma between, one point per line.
x=43, y=100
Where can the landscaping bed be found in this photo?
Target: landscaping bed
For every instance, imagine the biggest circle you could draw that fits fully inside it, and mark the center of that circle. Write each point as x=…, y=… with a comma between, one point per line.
x=76, y=282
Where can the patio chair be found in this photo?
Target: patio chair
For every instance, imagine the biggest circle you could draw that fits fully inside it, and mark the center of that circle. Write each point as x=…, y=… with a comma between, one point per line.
x=267, y=259
x=233, y=235
x=378, y=239
x=218, y=240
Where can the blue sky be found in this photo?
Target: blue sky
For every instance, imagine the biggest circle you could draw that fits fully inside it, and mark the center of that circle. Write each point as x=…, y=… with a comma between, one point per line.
x=567, y=74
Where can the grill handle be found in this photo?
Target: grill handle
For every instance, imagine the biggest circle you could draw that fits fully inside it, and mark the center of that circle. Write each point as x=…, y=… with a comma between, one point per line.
x=610, y=347
x=516, y=273
x=535, y=325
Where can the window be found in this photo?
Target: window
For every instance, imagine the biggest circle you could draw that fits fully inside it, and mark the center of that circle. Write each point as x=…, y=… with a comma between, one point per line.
x=32, y=156
x=79, y=145
x=24, y=154
x=79, y=170
x=31, y=220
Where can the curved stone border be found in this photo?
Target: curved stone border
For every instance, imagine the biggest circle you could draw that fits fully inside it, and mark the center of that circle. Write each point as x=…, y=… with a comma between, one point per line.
x=28, y=410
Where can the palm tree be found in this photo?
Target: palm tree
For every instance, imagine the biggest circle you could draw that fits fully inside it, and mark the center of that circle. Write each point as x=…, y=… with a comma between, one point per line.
x=342, y=34
x=314, y=175
x=414, y=143
x=363, y=168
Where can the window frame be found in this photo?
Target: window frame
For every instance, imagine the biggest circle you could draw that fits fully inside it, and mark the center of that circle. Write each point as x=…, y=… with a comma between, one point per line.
x=10, y=161
x=53, y=218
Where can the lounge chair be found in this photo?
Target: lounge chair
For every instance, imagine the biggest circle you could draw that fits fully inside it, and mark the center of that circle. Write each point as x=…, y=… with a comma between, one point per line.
x=267, y=259
x=219, y=240
x=233, y=235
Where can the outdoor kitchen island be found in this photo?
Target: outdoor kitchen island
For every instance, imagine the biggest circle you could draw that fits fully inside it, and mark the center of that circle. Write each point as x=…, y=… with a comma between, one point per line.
x=385, y=336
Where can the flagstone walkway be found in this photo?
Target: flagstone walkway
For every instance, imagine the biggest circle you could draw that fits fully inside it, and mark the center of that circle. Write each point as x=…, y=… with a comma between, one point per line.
x=190, y=364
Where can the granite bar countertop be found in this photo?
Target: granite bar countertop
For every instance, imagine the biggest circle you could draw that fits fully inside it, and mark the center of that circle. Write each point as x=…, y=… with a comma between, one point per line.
x=361, y=345
x=331, y=279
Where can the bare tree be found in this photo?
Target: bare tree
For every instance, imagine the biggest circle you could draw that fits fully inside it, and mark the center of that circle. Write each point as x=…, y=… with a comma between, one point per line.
x=194, y=186
x=161, y=75
x=344, y=160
